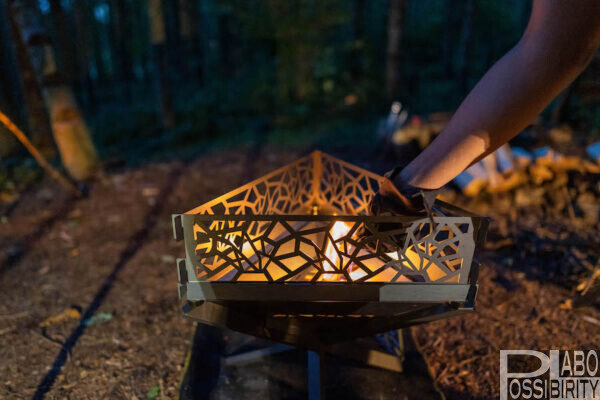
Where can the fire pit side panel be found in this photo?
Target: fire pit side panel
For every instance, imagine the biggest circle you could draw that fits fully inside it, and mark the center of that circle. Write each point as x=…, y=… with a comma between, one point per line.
x=310, y=249
x=346, y=187
x=287, y=190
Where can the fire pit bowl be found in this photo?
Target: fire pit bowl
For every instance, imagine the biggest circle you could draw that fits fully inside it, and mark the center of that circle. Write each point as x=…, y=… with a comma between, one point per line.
x=294, y=258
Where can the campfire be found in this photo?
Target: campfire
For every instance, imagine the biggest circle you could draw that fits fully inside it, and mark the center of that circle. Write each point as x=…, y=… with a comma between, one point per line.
x=295, y=252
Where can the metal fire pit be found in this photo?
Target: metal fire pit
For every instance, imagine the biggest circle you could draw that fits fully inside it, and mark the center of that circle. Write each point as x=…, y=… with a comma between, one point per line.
x=280, y=258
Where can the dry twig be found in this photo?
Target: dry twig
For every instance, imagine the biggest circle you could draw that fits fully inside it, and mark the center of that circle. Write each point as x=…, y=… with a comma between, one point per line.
x=54, y=174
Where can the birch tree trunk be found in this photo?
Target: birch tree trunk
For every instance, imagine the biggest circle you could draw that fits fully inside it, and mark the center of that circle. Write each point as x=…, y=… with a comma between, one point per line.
x=70, y=131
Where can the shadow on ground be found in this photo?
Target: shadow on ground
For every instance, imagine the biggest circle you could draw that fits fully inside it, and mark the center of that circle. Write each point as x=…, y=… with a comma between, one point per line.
x=284, y=375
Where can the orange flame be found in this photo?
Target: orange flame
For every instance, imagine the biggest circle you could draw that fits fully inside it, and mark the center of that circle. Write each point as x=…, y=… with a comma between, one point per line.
x=333, y=261
x=338, y=230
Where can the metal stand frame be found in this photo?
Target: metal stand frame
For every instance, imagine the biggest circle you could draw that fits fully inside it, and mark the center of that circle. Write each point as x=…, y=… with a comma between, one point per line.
x=316, y=360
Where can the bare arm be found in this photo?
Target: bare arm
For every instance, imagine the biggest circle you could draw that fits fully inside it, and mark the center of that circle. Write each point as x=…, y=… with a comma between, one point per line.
x=560, y=40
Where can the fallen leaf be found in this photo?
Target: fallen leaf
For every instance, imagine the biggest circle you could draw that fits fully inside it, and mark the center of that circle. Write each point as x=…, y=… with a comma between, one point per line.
x=71, y=313
x=566, y=305
x=167, y=258
x=76, y=213
x=150, y=191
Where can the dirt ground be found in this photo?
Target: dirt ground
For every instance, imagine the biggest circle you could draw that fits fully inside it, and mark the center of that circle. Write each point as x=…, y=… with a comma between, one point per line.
x=112, y=255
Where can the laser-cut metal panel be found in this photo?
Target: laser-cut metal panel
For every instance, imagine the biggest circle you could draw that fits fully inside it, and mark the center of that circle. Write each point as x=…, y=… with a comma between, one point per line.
x=303, y=248
x=287, y=190
x=315, y=180
x=263, y=232
x=251, y=252
x=346, y=187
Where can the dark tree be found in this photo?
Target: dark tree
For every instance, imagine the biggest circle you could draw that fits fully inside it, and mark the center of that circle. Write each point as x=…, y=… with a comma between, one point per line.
x=158, y=39
x=83, y=38
x=70, y=131
x=462, y=56
x=393, y=67
x=26, y=48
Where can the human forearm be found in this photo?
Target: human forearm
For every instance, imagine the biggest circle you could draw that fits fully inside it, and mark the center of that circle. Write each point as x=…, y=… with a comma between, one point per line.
x=509, y=96
x=502, y=104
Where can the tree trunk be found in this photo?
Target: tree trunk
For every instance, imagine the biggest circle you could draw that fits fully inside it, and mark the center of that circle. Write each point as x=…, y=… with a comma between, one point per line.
x=39, y=121
x=187, y=13
x=358, y=19
x=393, y=65
x=187, y=23
x=210, y=33
x=355, y=59
x=11, y=95
x=158, y=38
x=97, y=48
x=464, y=46
x=120, y=38
x=70, y=131
x=84, y=51
x=451, y=21
x=175, y=60
x=65, y=44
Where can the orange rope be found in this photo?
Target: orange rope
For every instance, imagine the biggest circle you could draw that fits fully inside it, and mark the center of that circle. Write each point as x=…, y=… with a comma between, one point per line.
x=54, y=174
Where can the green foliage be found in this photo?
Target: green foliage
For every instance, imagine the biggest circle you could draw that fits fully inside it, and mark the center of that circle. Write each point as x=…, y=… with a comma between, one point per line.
x=6, y=183
x=285, y=67
x=17, y=173
x=153, y=392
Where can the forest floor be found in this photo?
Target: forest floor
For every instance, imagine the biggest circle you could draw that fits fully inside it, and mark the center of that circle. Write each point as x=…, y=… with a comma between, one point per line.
x=112, y=256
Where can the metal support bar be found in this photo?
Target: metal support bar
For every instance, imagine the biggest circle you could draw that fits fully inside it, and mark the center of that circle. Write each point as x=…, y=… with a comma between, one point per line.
x=317, y=175
x=367, y=356
x=400, y=349
x=316, y=362
x=315, y=376
x=255, y=355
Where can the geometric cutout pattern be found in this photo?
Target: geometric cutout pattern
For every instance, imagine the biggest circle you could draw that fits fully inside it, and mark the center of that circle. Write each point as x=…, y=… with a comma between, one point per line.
x=301, y=223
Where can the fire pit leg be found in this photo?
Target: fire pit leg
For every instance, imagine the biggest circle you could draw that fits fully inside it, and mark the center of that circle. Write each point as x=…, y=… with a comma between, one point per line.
x=400, y=348
x=256, y=355
x=315, y=376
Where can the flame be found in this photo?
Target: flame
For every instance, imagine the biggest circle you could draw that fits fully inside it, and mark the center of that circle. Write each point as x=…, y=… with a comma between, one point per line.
x=338, y=230
x=333, y=261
